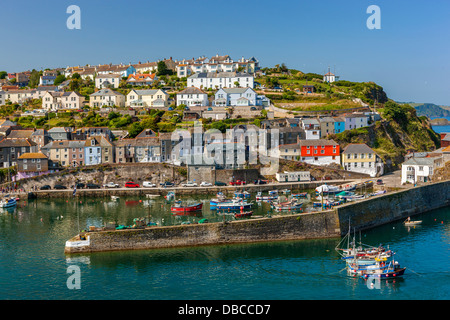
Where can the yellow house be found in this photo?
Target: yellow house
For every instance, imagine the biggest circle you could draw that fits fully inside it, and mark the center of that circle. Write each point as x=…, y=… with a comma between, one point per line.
x=358, y=157
x=147, y=98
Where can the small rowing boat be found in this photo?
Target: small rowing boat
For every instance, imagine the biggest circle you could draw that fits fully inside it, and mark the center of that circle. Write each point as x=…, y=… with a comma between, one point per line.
x=412, y=223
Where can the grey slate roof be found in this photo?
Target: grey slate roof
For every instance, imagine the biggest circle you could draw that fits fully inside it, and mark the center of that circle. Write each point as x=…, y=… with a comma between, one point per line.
x=358, y=148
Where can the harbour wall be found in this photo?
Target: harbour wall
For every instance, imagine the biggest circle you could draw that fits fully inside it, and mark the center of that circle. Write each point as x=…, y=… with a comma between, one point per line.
x=361, y=215
x=294, y=227
x=393, y=206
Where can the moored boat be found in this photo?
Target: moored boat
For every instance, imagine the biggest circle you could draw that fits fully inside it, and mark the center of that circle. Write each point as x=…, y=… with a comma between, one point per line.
x=331, y=189
x=300, y=195
x=288, y=205
x=412, y=223
x=8, y=202
x=184, y=209
x=235, y=204
x=260, y=197
x=243, y=214
x=368, y=261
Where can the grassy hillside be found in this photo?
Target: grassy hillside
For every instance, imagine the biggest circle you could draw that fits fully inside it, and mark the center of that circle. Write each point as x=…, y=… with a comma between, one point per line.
x=399, y=131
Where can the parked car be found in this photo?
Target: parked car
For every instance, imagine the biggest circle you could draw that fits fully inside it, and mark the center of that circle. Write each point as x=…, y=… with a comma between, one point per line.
x=46, y=187
x=237, y=183
x=189, y=184
x=148, y=184
x=111, y=185
x=220, y=184
x=205, y=184
x=80, y=185
x=131, y=184
x=167, y=184
x=92, y=186
x=379, y=181
x=59, y=187
x=261, y=181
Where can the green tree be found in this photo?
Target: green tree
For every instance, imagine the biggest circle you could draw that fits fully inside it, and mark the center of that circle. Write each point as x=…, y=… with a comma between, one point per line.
x=59, y=79
x=3, y=74
x=163, y=70
x=34, y=78
x=134, y=129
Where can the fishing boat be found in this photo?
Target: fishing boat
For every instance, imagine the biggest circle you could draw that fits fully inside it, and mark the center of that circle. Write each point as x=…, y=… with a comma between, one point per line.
x=178, y=208
x=242, y=195
x=364, y=260
x=330, y=189
x=260, y=197
x=234, y=204
x=243, y=214
x=170, y=196
x=300, y=195
x=220, y=198
x=378, y=193
x=379, y=269
x=355, y=197
x=8, y=202
x=285, y=191
x=288, y=205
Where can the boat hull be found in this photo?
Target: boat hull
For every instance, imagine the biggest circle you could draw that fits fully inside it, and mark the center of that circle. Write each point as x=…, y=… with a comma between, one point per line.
x=196, y=207
x=232, y=206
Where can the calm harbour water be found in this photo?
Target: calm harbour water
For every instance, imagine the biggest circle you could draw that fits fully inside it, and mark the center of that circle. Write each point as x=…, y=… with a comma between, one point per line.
x=33, y=264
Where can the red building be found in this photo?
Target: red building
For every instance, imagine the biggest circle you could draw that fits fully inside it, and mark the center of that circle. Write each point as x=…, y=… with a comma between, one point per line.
x=445, y=139
x=320, y=151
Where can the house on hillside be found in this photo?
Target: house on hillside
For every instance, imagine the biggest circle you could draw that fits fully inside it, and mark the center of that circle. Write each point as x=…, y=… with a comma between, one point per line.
x=141, y=79
x=320, y=152
x=156, y=98
x=420, y=169
x=111, y=80
x=206, y=80
x=359, y=157
x=33, y=164
x=311, y=128
x=107, y=97
x=192, y=96
x=355, y=120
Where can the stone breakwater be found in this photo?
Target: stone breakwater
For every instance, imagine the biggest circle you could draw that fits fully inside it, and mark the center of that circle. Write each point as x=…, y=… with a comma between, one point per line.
x=299, y=226
x=361, y=215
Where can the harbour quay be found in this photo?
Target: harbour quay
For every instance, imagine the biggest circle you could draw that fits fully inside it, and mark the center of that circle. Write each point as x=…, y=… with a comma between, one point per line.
x=361, y=215
x=108, y=192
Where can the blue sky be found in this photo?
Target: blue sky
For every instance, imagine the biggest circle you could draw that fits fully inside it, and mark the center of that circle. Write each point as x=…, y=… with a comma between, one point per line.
x=409, y=56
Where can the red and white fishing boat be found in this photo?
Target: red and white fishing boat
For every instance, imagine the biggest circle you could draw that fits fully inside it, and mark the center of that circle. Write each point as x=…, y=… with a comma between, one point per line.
x=183, y=209
x=243, y=214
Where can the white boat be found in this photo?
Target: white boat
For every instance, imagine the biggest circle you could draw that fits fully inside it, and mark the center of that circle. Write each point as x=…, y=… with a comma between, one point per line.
x=260, y=197
x=330, y=189
x=412, y=223
x=8, y=202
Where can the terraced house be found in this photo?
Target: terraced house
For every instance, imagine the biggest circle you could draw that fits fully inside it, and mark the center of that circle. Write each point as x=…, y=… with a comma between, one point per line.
x=12, y=148
x=138, y=150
